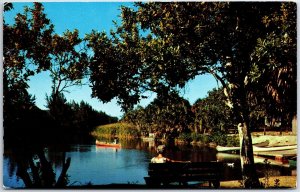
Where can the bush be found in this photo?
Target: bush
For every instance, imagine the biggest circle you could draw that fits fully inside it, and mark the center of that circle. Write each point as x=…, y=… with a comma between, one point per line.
x=233, y=141
x=219, y=137
x=195, y=136
x=185, y=137
x=201, y=137
x=205, y=138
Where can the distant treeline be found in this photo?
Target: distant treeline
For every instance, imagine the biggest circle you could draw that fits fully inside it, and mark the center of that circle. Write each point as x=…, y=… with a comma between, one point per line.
x=174, y=116
x=64, y=122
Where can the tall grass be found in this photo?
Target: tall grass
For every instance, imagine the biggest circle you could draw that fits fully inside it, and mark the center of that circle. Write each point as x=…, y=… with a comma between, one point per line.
x=121, y=130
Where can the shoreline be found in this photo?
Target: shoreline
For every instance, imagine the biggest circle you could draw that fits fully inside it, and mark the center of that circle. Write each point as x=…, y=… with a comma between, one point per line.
x=285, y=182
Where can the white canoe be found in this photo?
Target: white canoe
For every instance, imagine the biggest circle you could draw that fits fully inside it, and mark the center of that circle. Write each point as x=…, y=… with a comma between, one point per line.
x=232, y=149
x=280, y=151
x=258, y=149
x=223, y=148
x=267, y=149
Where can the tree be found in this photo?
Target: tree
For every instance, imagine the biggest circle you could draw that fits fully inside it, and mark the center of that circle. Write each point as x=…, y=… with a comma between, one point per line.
x=86, y=118
x=68, y=61
x=26, y=49
x=191, y=38
x=110, y=76
x=62, y=114
x=164, y=113
x=274, y=63
x=171, y=111
x=212, y=112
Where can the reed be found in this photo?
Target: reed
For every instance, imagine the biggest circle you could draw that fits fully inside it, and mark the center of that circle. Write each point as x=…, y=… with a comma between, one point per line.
x=121, y=130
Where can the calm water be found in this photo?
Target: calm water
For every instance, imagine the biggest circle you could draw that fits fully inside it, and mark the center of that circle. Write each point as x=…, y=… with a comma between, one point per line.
x=98, y=165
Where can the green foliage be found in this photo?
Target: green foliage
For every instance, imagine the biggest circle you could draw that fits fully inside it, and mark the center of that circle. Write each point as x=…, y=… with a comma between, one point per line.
x=186, y=137
x=274, y=67
x=122, y=130
x=232, y=141
x=28, y=49
x=110, y=75
x=184, y=39
x=219, y=137
x=69, y=61
x=75, y=121
x=196, y=136
x=205, y=138
x=220, y=38
x=26, y=45
x=212, y=112
x=166, y=111
x=25, y=52
x=250, y=48
x=8, y=6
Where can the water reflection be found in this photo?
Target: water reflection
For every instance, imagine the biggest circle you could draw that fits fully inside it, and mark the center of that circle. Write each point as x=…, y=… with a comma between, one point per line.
x=107, y=165
x=109, y=149
x=273, y=169
x=129, y=164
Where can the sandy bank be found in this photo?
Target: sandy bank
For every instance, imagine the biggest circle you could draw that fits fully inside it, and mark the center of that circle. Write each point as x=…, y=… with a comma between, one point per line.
x=284, y=182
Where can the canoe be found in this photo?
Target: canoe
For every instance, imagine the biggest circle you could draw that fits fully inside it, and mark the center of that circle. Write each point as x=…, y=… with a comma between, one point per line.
x=277, y=152
x=276, y=141
x=280, y=148
x=105, y=144
x=258, y=147
x=227, y=149
x=261, y=144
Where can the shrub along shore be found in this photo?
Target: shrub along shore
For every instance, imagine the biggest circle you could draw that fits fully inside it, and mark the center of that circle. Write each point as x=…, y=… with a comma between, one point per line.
x=129, y=131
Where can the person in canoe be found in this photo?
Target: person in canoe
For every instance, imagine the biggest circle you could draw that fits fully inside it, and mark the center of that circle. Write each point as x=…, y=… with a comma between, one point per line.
x=160, y=157
x=116, y=140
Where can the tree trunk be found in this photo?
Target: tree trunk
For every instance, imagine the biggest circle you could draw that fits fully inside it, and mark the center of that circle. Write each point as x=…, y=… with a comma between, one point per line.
x=35, y=174
x=250, y=178
x=48, y=175
x=23, y=174
x=242, y=113
x=61, y=182
x=294, y=125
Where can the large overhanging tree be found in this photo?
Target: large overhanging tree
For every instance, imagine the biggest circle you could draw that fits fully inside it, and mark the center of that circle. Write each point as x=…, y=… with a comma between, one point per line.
x=26, y=51
x=248, y=47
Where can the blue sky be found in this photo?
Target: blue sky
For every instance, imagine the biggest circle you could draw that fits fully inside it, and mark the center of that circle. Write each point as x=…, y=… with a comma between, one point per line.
x=86, y=16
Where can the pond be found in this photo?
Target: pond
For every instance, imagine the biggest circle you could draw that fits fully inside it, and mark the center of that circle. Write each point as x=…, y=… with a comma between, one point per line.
x=91, y=164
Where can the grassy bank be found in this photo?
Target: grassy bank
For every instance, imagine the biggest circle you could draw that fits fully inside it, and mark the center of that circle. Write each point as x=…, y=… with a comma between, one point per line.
x=283, y=182
x=121, y=130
